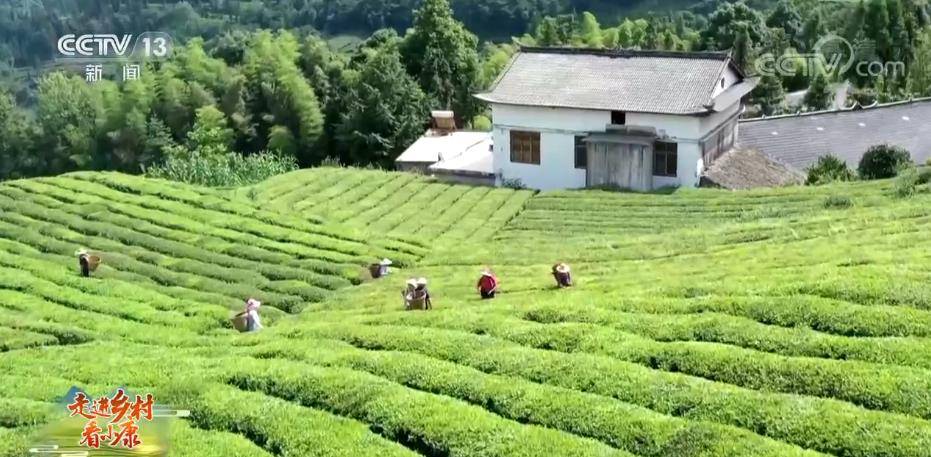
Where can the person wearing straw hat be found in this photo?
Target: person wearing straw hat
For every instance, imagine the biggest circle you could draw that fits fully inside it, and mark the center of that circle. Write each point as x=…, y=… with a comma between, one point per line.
x=562, y=275
x=83, y=262
x=487, y=284
x=381, y=268
x=417, y=296
x=421, y=292
x=253, y=322
x=408, y=293
x=87, y=262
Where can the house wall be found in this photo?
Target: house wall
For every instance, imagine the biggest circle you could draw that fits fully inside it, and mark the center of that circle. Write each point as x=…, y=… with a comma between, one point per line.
x=730, y=78
x=472, y=180
x=558, y=128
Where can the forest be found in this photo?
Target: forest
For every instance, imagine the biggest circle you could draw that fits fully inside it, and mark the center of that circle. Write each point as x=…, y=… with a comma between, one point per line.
x=259, y=80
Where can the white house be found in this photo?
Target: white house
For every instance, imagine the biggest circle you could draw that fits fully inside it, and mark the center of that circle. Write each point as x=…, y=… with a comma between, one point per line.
x=572, y=118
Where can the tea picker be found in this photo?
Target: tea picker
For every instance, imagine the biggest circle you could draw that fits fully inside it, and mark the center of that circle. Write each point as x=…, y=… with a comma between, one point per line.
x=417, y=297
x=380, y=269
x=487, y=284
x=562, y=275
x=248, y=320
x=87, y=262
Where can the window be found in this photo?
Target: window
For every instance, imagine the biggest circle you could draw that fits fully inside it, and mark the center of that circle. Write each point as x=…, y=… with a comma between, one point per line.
x=618, y=118
x=525, y=147
x=581, y=152
x=665, y=158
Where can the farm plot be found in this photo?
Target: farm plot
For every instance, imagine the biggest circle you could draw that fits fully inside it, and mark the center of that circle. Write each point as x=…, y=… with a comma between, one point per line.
x=396, y=204
x=701, y=323
x=601, y=212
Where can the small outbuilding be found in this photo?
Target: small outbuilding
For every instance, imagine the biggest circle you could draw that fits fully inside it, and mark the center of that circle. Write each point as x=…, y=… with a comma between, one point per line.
x=450, y=155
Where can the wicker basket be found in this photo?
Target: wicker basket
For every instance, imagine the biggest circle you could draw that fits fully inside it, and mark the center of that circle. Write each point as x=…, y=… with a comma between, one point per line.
x=416, y=304
x=93, y=262
x=240, y=322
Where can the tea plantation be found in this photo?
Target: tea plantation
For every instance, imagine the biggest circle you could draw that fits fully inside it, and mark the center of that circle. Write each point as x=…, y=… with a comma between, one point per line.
x=702, y=322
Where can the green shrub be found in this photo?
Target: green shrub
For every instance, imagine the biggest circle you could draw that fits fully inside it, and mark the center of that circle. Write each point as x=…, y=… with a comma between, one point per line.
x=513, y=183
x=924, y=176
x=906, y=184
x=828, y=169
x=222, y=170
x=883, y=161
x=838, y=202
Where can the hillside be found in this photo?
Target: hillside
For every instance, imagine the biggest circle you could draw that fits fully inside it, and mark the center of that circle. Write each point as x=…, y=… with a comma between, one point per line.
x=703, y=322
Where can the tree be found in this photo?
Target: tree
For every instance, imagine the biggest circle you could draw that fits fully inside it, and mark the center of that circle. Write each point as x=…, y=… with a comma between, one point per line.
x=279, y=94
x=670, y=42
x=442, y=56
x=281, y=141
x=769, y=94
x=611, y=38
x=590, y=30
x=496, y=57
x=876, y=26
x=819, y=95
x=548, y=32
x=742, y=48
x=67, y=112
x=812, y=30
x=723, y=26
x=210, y=135
x=16, y=133
x=786, y=17
x=900, y=43
x=625, y=34
x=919, y=75
x=385, y=111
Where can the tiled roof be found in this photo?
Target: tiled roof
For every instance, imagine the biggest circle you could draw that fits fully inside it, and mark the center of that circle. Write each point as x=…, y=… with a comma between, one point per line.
x=636, y=81
x=798, y=140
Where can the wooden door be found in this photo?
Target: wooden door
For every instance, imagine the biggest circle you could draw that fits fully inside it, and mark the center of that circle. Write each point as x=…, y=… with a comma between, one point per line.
x=623, y=165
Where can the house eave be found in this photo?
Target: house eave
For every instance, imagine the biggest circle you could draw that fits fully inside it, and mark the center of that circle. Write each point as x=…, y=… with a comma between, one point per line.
x=697, y=112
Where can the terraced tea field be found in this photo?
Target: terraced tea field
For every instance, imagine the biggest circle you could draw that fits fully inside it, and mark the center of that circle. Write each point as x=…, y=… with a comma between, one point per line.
x=702, y=323
x=398, y=204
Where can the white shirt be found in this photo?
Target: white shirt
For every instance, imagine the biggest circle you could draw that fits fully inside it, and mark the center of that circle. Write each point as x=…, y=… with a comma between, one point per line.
x=254, y=315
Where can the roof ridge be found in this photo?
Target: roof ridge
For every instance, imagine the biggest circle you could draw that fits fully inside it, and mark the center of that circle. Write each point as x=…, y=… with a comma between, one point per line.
x=851, y=109
x=712, y=55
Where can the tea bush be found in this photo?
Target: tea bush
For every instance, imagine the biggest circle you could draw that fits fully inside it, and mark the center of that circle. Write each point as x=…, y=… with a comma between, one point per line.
x=829, y=169
x=838, y=202
x=883, y=161
x=700, y=323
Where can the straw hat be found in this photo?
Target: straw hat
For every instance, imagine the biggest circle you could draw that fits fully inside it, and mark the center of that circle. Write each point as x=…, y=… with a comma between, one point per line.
x=412, y=282
x=384, y=262
x=253, y=303
x=421, y=281
x=487, y=272
x=81, y=252
x=562, y=268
